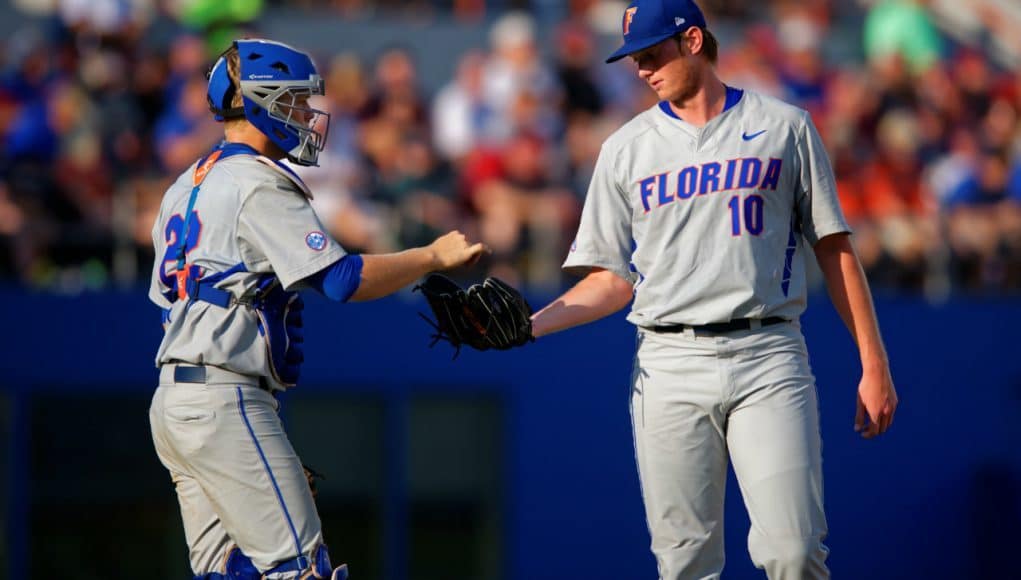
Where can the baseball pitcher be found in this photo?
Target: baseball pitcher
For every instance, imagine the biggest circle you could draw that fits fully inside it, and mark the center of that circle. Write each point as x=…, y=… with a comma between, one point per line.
x=699, y=210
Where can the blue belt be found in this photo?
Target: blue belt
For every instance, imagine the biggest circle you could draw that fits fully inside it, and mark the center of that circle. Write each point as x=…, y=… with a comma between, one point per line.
x=189, y=374
x=197, y=374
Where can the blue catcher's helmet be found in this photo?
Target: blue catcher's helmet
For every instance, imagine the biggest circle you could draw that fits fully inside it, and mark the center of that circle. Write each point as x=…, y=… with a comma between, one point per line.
x=276, y=81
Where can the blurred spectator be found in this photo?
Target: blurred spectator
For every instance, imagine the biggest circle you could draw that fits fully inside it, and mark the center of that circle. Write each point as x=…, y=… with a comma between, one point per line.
x=975, y=237
x=801, y=70
x=186, y=130
x=143, y=194
x=340, y=182
x=973, y=77
x=12, y=229
x=460, y=113
x=582, y=140
x=1010, y=225
x=420, y=189
x=517, y=84
x=395, y=97
x=990, y=25
x=98, y=112
x=186, y=58
x=106, y=18
x=750, y=62
x=902, y=29
x=575, y=57
x=519, y=202
x=895, y=198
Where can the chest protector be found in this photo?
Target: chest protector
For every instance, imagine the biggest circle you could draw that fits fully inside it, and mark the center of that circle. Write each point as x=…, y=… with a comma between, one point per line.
x=278, y=311
x=281, y=326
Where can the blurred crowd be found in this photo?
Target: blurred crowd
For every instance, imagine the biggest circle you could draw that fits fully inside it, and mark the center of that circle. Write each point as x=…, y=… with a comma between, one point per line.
x=923, y=130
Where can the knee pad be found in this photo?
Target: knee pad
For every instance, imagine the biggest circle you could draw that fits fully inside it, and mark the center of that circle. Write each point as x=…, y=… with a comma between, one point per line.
x=321, y=567
x=237, y=566
x=240, y=567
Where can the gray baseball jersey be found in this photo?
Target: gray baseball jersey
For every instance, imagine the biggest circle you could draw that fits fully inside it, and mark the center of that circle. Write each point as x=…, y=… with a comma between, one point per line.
x=239, y=481
x=248, y=212
x=706, y=221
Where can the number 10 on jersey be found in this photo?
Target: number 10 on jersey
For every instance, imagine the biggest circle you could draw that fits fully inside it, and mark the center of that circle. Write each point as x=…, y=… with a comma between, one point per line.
x=751, y=210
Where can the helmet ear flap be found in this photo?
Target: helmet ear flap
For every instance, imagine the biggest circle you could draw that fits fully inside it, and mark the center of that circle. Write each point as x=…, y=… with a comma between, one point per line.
x=220, y=90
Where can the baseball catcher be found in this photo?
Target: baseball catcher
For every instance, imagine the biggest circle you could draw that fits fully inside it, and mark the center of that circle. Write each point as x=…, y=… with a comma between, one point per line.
x=236, y=239
x=491, y=314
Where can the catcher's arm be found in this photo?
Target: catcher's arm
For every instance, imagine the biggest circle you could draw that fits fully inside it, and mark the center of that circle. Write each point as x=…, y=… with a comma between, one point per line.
x=384, y=274
x=598, y=294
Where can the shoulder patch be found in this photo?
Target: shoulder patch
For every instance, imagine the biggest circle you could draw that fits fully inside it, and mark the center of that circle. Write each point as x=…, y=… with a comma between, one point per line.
x=316, y=240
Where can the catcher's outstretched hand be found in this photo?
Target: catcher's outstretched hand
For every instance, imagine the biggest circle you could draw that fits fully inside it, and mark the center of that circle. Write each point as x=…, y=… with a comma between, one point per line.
x=488, y=315
x=452, y=250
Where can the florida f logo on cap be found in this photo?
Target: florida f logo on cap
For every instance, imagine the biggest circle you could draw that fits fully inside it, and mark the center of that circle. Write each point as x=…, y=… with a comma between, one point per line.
x=628, y=15
x=649, y=22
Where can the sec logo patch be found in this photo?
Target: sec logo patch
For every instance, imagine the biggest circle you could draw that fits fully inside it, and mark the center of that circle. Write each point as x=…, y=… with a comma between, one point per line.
x=316, y=240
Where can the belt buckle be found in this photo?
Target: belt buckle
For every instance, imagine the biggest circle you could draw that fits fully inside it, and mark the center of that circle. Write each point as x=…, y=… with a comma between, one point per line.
x=189, y=374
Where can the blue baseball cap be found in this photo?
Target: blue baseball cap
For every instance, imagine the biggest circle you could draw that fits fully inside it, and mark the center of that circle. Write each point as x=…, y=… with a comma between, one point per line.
x=649, y=22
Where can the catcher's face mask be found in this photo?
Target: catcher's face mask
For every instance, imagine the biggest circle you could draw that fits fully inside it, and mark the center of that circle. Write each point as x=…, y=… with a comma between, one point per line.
x=277, y=82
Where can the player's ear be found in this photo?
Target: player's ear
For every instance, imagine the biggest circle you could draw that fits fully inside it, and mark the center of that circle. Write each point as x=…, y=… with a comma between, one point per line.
x=692, y=41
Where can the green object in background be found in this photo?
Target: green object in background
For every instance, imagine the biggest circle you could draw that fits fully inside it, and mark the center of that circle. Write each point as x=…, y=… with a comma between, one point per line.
x=903, y=27
x=220, y=20
x=219, y=38
x=207, y=13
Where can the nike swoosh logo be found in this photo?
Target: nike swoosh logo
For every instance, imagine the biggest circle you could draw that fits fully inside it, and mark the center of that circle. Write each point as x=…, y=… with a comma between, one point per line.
x=748, y=137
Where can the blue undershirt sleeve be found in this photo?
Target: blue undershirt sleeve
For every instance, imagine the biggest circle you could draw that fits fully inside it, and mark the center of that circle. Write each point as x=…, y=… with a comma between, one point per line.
x=340, y=280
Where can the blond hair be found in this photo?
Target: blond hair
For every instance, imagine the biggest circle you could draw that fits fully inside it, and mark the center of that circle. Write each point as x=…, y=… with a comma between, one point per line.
x=234, y=73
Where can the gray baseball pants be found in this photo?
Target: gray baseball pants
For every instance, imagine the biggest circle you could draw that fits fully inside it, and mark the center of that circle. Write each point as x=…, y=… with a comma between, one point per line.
x=748, y=394
x=238, y=480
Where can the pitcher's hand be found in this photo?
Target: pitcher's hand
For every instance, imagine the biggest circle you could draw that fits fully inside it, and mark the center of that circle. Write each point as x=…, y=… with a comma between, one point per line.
x=877, y=402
